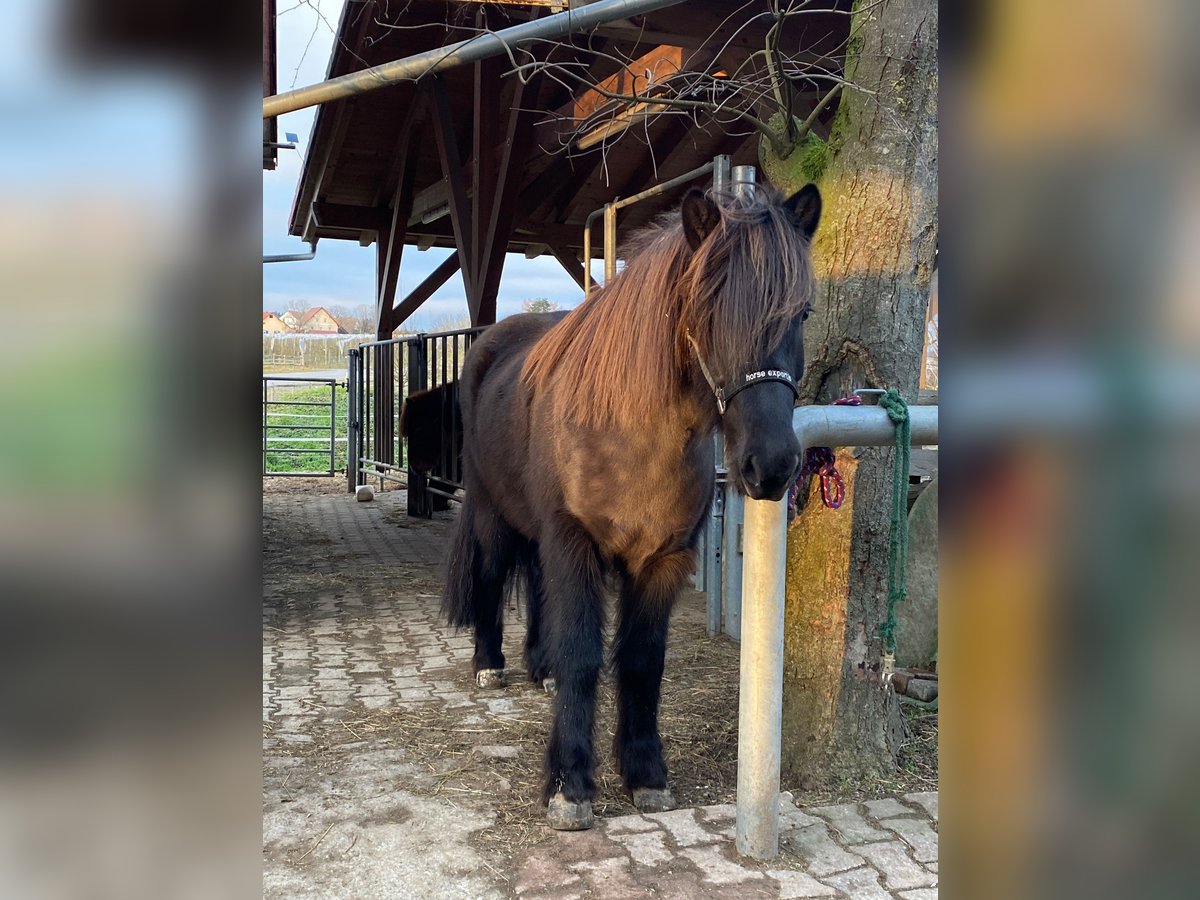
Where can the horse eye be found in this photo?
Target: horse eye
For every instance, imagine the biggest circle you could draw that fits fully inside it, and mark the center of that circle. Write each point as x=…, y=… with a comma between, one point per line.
x=806, y=313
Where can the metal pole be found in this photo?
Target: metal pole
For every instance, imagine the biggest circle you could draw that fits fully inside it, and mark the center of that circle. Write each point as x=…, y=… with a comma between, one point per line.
x=265, y=408
x=293, y=257
x=587, y=249
x=712, y=560
x=481, y=46
x=351, y=441
x=742, y=183
x=761, y=699
x=332, y=426
x=713, y=589
x=610, y=243
x=665, y=186
x=721, y=173
x=761, y=704
x=732, y=558
x=744, y=178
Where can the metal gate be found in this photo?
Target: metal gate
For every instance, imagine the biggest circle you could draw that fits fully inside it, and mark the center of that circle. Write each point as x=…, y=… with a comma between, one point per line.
x=299, y=425
x=382, y=375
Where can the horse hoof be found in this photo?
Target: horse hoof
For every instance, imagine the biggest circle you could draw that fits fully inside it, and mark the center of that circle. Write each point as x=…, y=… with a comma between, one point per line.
x=563, y=815
x=550, y=686
x=490, y=678
x=652, y=800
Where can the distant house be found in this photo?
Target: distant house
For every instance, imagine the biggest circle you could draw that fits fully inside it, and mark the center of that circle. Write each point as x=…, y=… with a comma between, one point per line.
x=317, y=320
x=292, y=319
x=272, y=324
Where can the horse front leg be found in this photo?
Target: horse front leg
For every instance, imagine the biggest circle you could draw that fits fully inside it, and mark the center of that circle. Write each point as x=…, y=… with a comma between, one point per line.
x=572, y=624
x=639, y=653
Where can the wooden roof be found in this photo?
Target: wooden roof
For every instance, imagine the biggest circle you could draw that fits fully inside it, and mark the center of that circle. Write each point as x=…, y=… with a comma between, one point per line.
x=350, y=181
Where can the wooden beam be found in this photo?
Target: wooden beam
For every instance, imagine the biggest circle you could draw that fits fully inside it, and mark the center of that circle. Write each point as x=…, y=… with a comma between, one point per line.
x=350, y=218
x=485, y=135
x=452, y=172
x=391, y=255
x=569, y=261
x=394, y=170
x=405, y=162
x=524, y=110
x=425, y=289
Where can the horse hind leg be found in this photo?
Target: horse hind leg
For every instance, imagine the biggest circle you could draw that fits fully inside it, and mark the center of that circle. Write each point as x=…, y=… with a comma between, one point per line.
x=488, y=659
x=537, y=653
x=481, y=557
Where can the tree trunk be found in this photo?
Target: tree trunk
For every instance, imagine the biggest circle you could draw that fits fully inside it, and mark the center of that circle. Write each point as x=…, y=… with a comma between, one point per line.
x=874, y=254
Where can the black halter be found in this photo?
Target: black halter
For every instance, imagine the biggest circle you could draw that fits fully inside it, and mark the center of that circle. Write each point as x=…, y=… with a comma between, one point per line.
x=750, y=379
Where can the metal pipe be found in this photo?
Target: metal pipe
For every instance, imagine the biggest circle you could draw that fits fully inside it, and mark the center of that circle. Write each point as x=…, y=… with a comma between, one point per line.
x=610, y=242
x=587, y=248
x=744, y=178
x=721, y=173
x=666, y=185
x=733, y=558
x=621, y=204
x=742, y=183
x=483, y=46
x=761, y=700
x=293, y=257
x=761, y=703
x=712, y=560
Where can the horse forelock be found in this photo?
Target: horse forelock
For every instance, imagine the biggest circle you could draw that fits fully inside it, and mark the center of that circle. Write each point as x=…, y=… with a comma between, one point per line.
x=622, y=357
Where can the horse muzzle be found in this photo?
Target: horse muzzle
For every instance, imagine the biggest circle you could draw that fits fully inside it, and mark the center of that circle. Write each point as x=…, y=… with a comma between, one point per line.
x=766, y=476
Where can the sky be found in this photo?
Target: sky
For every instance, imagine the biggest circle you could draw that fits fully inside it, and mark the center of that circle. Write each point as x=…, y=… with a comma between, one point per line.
x=343, y=273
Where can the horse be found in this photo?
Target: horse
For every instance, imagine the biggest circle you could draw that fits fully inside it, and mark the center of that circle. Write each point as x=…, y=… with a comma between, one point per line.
x=588, y=461
x=431, y=424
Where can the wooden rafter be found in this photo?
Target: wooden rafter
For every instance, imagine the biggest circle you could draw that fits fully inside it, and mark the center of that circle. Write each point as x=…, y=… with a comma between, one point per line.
x=452, y=173
x=426, y=289
x=518, y=136
x=569, y=261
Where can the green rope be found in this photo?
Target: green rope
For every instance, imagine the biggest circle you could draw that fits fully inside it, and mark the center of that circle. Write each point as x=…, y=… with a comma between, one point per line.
x=897, y=411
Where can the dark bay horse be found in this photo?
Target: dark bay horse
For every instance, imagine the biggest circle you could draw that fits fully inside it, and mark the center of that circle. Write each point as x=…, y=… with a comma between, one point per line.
x=588, y=458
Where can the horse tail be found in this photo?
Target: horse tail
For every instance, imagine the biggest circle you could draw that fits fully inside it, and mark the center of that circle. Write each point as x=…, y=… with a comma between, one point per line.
x=463, y=560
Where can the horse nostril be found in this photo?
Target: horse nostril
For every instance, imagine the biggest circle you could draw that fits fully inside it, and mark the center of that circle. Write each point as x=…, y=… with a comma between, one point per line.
x=750, y=473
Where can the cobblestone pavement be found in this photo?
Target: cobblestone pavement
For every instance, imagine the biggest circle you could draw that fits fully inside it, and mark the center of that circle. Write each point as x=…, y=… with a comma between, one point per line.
x=351, y=632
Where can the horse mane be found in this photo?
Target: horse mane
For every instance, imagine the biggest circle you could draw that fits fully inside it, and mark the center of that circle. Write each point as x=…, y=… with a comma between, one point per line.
x=622, y=356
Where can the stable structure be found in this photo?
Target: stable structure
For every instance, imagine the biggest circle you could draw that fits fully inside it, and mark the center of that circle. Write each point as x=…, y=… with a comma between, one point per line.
x=475, y=160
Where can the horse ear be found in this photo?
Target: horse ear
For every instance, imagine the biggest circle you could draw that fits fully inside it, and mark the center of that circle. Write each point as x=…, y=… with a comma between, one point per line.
x=805, y=206
x=700, y=217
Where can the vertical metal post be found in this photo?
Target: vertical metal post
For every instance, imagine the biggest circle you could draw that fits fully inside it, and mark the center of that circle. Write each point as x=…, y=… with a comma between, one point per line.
x=744, y=178
x=332, y=424
x=351, y=439
x=712, y=560
x=610, y=242
x=587, y=258
x=264, y=452
x=713, y=536
x=742, y=184
x=721, y=173
x=735, y=505
x=761, y=699
x=418, y=497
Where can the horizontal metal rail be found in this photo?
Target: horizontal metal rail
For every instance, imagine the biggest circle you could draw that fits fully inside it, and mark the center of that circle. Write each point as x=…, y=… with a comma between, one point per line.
x=310, y=379
x=761, y=700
